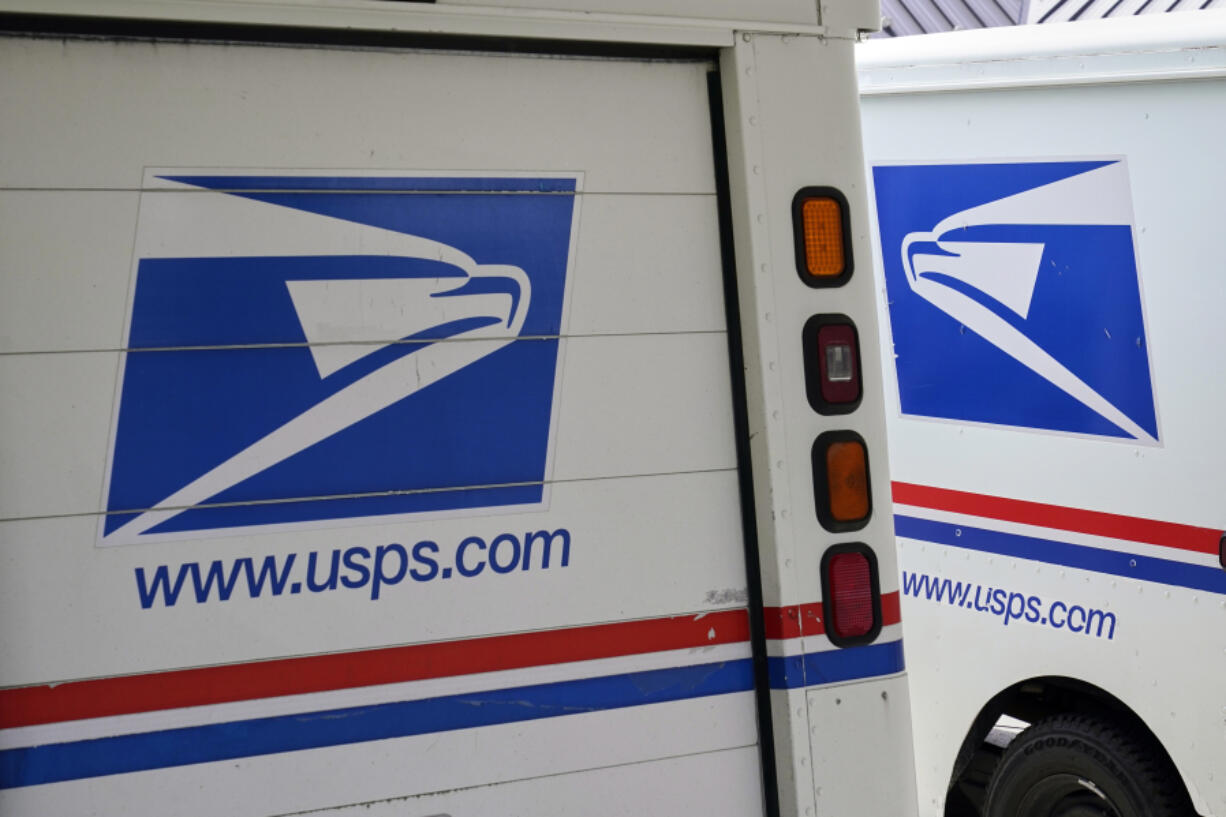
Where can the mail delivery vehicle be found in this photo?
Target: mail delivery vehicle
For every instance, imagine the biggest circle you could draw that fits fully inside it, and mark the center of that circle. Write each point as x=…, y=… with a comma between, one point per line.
x=1047, y=205
x=428, y=409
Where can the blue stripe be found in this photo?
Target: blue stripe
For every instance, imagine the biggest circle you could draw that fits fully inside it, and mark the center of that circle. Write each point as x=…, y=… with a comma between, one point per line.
x=407, y=184
x=287, y=733
x=831, y=666
x=1099, y=560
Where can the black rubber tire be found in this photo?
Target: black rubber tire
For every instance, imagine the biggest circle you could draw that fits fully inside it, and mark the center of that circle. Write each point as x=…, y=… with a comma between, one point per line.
x=1082, y=766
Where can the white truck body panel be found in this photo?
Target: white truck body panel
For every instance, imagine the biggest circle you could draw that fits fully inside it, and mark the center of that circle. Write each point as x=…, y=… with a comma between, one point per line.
x=1124, y=524
x=370, y=437
x=600, y=463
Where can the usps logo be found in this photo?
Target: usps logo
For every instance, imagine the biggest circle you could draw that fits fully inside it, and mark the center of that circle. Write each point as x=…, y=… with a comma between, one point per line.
x=1014, y=296
x=311, y=348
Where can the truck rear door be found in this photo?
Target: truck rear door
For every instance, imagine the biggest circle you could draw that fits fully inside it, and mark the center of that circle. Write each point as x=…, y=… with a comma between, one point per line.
x=368, y=434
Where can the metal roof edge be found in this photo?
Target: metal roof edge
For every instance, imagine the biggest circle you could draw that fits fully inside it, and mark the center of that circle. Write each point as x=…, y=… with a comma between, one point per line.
x=1132, y=49
x=427, y=18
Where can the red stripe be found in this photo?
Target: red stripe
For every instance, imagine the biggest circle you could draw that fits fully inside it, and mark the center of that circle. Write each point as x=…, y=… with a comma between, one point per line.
x=794, y=621
x=26, y=706
x=1115, y=526
x=891, y=612
x=806, y=619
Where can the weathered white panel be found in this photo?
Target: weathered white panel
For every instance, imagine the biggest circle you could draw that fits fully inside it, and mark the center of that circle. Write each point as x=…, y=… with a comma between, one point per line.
x=382, y=776
x=94, y=114
x=862, y=731
x=647, y=264
x=66, y=258
x=718, y=783
x=55, y=417
x=643, y=404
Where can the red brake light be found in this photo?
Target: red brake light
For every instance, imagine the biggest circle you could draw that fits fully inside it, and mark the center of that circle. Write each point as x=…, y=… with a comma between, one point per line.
x=851, y=586
x=852, y=598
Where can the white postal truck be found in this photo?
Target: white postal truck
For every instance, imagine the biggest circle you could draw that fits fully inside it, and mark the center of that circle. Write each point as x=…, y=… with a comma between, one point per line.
x=430, y=409
x=1047, y=205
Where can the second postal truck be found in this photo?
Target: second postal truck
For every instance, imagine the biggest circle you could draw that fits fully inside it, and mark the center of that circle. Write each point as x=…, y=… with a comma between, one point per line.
x=1048, y=203
x=419, y=409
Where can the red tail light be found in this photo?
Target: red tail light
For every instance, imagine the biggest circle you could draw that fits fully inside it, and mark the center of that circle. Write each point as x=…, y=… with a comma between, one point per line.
x=852, y=589
x=851, y=595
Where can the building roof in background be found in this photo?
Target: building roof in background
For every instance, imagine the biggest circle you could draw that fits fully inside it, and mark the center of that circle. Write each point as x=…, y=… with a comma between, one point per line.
x=904, y=17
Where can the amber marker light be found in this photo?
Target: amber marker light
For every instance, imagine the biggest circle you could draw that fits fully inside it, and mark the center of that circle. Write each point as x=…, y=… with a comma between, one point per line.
x=822, y=224
x=847, y=472
x=842, y=491
x=823, y=245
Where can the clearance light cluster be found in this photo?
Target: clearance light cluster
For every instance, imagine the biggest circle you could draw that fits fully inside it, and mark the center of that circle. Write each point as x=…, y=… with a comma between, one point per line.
x=842, y=489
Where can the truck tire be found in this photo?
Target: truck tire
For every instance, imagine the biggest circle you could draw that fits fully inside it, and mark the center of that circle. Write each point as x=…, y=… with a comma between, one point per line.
x=1082, y=766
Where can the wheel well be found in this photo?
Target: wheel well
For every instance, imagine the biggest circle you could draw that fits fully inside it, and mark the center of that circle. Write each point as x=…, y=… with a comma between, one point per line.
x=1030, y=701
